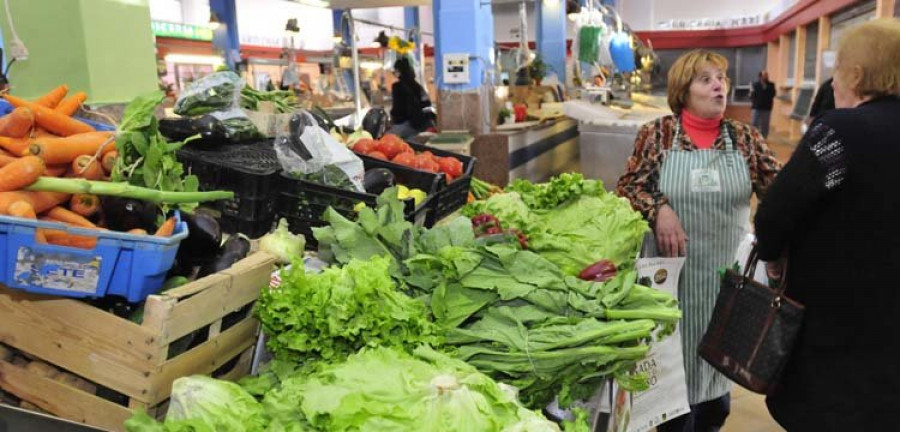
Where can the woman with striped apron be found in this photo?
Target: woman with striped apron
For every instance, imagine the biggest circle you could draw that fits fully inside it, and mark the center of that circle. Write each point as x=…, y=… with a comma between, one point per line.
x=692, y=176
x=710, y=192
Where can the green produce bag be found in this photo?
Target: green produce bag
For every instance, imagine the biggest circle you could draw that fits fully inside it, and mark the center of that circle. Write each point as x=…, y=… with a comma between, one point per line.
x=589, y=44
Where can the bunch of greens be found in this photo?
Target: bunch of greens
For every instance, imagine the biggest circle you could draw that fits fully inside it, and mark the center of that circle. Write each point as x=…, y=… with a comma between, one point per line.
x=284, y=101
x=218, y=91
x=562, y=188
x=377, y=389
x=513, y=313
x=385, y=389
x=200, y=404
x=145, y=158
x=570, y=221
x=330, y=315
x=517, y=317
x=376, y=232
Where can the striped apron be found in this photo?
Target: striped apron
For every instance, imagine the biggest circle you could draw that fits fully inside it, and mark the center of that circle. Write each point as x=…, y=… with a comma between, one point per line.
x=710, y=192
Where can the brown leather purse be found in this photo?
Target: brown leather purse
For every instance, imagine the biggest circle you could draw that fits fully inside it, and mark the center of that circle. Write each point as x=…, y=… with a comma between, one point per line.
x=752, y=330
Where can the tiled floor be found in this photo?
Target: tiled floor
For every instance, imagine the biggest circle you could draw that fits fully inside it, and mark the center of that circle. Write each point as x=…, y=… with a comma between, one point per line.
x=749, y=413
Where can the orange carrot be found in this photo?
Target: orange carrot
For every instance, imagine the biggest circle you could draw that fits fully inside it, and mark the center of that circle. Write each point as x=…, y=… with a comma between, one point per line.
x=41, y=133
x=56, y=170
x=167, y=228
x=6, y=158
x=137, y=231
x=85, y=204
x=17, y=123
x=22, y=209
x=70, y=105
x=62, y=238
x=86, y=167
x=109, y=161
x=52, y=99
x=40, y=201
x=53, y=121
x=16, y=146
x=67, y=216
x=20, y=173
x=65, y=150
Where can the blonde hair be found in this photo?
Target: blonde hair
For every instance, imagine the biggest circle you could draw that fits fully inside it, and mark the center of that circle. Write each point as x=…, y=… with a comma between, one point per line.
x=874, y=48
x=683, y=72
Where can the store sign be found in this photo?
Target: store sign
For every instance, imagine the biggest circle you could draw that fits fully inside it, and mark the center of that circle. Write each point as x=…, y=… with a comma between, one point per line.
x=181, y=31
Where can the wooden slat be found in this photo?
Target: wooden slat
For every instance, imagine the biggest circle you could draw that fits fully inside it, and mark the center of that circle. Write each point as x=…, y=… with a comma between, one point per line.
x=90, y=321
x=203, y=359
x=54, y=340
x=211, y=305
x=251, y=270
x=192, y=288
x=62, y=400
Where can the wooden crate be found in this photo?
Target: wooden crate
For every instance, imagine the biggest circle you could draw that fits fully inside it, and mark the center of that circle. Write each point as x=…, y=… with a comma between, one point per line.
x=125, y=357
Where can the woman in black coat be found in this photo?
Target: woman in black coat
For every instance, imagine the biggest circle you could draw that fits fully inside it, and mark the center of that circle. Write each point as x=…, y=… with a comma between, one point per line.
x=833, y=214
x=409, y=102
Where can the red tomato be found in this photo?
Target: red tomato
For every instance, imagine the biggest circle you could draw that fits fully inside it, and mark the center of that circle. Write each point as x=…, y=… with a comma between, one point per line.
x=405, y=148
x=430, y=154
x=424, y=163
x=450, y=166
x=378, y=155
x=364, y=146
x=406, y=159
x=389, y=147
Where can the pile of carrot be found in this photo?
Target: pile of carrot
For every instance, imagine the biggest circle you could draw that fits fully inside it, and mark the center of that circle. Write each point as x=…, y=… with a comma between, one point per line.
x=41, y=138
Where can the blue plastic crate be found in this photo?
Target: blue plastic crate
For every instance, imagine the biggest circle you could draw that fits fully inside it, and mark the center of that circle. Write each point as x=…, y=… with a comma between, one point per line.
x=6, y=108
x=122, y=264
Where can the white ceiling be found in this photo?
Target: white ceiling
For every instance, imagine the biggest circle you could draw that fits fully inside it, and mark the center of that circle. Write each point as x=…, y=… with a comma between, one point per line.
x=365, y=4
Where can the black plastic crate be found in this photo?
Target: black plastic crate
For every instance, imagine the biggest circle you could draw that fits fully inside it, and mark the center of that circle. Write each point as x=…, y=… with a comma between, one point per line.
x=248, y=170
x=248, y=208
x=449, y=197
x=300, y=200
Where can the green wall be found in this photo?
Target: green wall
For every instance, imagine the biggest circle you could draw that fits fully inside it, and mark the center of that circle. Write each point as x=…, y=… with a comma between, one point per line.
x=102, y=47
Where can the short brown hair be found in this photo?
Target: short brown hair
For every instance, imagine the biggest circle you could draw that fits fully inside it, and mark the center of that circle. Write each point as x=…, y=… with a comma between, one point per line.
x=683, y=72
x=873, y=47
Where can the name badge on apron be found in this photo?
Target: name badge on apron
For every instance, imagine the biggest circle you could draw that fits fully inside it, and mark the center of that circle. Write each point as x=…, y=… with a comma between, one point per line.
x=705, y=180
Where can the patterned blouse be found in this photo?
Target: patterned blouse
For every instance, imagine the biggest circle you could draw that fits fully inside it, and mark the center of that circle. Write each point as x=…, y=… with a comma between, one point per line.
x=640, y=183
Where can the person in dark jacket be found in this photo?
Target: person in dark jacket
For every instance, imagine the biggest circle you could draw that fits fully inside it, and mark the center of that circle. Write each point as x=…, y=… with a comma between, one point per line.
x=762, y=96
x=409, y=102
x=832, y=213
x=823, y=102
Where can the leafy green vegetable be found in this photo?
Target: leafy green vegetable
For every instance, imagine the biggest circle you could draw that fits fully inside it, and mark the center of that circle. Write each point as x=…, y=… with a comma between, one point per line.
x=384, y=389
x=570, y=221
x=284, y=101
x=330, y=315
x=517, y=317
x=145, y=158
x=282, y=243
x=559, y=189
x=201, y=403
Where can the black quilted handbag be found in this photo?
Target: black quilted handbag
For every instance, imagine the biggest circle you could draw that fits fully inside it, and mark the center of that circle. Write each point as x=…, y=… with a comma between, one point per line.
x=752, y=330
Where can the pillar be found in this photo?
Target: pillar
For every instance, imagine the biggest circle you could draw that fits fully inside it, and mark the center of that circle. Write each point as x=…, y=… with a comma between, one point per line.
x=82, y=44
x=342, y=31
x=551, y=36
x=225, y=38
x=464, y=27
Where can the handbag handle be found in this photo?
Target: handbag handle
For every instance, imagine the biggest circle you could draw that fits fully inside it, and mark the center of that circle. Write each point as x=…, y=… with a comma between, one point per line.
x=750, y=270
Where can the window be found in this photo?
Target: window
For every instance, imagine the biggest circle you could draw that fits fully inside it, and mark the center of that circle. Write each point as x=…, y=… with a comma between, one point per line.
x=792, y=50
x=809, y=56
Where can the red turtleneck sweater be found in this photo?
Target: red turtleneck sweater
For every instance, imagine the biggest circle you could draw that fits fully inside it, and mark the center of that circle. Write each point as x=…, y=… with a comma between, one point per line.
x=703, y=132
